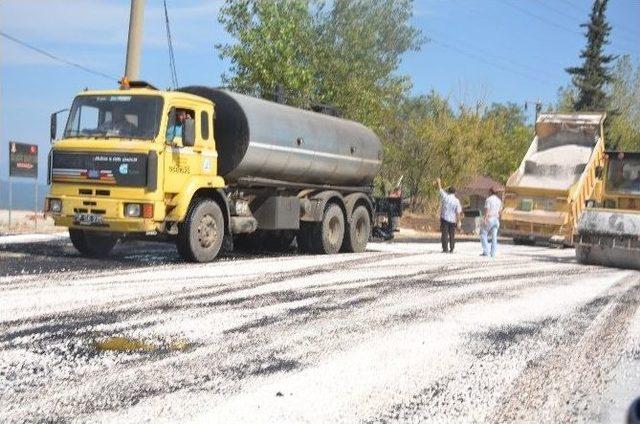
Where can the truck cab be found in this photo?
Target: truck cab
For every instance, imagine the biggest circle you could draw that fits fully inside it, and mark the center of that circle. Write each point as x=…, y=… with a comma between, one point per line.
x=126, y=161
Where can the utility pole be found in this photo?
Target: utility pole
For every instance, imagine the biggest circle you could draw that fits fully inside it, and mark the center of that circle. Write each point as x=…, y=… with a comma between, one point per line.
x=134, y=44
x=538, y=109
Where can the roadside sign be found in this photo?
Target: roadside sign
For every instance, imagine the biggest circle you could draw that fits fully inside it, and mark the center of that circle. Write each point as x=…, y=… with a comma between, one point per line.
x=23, y=160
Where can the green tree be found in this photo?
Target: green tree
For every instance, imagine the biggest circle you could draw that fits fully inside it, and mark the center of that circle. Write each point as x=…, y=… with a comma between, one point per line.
x=566, y=100
x=364, y=42
x=623, y=130
x=343, y=53
x=276, y=44
x=592, y=77
x=511, y=137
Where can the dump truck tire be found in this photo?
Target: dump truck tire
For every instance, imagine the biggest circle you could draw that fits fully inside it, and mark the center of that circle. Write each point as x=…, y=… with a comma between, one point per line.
x=358, y=231
x=92, y=244
x=200, y=235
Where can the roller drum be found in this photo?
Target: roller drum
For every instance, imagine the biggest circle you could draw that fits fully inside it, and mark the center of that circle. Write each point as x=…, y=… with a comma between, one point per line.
x=609, y=238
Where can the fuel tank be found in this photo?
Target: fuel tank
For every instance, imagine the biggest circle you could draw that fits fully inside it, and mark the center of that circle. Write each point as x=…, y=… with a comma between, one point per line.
x=261, y=139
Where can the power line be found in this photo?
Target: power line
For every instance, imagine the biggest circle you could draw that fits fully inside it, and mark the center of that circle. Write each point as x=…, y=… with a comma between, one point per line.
x=555, y=24
x=510, y=46
x=623, y=27
x=172, y=59
x=509, y=61
x=540, y=18
x=480, y=58
x=56, y=58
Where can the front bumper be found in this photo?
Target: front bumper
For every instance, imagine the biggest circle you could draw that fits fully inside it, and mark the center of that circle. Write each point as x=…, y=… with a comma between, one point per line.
x=537, y=225
x=112, y=213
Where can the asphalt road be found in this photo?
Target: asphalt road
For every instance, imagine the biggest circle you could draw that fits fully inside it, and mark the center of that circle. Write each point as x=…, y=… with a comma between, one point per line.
x=401, y=333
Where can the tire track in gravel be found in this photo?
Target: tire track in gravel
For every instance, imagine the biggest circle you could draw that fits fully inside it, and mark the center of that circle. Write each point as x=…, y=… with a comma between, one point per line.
x=462, y=390
x=111, y=312
x=566, y=382
x=265, y=357
x=133, y=394
x=60, y=256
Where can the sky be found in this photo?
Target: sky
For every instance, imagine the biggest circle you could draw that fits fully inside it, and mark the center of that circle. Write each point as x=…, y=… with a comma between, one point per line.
x=475, y=50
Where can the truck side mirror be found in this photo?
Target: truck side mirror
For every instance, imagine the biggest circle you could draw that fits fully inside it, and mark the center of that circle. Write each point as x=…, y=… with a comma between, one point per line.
x=189, y=132
x=54, y=126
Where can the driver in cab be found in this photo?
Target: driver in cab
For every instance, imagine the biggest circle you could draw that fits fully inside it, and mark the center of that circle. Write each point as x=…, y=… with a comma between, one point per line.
x=175, y=129
x=118, y=125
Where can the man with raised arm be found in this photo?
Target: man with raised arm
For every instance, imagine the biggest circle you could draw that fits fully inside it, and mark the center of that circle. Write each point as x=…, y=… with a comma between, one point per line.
x=450, y=216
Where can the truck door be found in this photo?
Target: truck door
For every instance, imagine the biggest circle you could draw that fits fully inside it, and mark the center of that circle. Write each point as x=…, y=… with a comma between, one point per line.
x=184, y=162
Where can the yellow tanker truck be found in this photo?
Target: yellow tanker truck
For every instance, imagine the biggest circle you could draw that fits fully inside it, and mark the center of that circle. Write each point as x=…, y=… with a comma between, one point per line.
x=545, y=196
x=201, y=166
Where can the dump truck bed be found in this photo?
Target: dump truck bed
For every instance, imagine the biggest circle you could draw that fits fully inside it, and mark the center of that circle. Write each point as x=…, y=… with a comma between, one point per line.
x=546, y=194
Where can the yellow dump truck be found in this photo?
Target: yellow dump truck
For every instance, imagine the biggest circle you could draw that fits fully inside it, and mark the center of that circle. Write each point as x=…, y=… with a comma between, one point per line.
x=546, y=195
x=609, y=228
x=202, y=166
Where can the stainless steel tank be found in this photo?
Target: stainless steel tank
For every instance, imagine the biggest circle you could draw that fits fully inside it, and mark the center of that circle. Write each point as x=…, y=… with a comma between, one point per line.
x=262, y=139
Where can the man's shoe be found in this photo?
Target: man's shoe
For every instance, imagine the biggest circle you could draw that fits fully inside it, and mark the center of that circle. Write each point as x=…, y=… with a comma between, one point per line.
x=483, y=254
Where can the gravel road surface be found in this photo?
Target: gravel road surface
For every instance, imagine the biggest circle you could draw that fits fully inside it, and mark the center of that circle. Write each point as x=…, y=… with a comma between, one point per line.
x=399, y=334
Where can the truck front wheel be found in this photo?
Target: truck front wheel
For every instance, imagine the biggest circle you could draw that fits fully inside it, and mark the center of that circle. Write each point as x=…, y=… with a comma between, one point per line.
x=358, y=231
x=200, y=235
x=91, y=243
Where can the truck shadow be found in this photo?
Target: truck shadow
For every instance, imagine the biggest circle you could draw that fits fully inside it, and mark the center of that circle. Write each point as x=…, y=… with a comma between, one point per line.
x=60, y=256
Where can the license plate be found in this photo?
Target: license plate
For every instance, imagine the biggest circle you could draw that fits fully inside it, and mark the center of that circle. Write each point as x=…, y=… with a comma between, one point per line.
x=87, y=219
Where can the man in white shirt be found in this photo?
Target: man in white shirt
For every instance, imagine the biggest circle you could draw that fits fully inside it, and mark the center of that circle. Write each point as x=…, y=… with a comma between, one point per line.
x=491, y=223
x=450, y=216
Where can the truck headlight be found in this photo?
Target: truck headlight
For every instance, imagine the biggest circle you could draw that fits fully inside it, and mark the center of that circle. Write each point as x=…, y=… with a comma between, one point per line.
x=242, y=207
x=55, y=205
x=132, y=210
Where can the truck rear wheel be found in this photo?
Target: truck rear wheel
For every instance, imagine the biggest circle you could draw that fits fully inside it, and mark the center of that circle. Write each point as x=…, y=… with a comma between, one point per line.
x=91, y=243
x=326, y=237
x=358, y=231
x=200, y=235
x=332, y=230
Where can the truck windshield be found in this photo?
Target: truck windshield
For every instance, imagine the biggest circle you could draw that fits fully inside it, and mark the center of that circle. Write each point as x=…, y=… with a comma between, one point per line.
x=115, y=116
x=624, y=175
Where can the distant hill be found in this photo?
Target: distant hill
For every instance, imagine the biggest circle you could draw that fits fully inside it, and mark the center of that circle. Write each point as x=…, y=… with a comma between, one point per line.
x=23, y=194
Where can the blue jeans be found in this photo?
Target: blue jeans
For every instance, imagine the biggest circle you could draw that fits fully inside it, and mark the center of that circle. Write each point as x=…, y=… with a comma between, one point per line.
x=491, y=226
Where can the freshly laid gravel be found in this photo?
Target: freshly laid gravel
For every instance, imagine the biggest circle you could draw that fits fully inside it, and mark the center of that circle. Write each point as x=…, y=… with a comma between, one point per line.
x=556, y=168
x=401, y=333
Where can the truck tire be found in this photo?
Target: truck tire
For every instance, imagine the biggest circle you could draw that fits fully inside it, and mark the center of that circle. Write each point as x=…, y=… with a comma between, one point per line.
x=326, y=237
x=92, y=244
x=358, y=231
x=200, y=234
